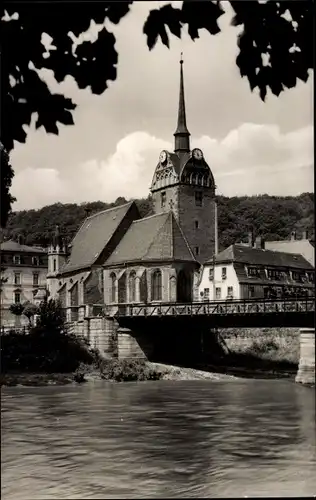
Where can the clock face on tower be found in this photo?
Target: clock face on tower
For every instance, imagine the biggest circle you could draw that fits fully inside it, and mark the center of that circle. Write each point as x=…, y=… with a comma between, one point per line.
x=197, y=154
x=162, y=156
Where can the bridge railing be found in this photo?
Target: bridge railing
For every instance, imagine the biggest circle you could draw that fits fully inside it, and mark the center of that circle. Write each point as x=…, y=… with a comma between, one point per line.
x=237, y=307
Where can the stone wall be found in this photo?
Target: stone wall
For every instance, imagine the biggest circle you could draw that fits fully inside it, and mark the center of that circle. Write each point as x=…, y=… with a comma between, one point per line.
x=281, y=344
x=99, y=332
x=202, y=237
x=306, y=370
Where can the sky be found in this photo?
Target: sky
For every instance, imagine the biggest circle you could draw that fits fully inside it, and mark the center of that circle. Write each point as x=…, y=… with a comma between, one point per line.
x=252, y=147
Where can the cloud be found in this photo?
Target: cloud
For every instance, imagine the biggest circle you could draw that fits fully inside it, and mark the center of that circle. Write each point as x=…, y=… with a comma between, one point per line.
x=252, y=159
x=256, y=159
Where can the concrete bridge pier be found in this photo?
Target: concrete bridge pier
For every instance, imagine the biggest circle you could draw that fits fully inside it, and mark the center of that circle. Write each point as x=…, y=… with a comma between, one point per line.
x=306, y=369
x=133, y=344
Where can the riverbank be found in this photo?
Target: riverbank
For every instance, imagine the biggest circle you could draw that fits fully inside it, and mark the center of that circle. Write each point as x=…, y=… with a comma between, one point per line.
x=153, y=371
x=131, y=370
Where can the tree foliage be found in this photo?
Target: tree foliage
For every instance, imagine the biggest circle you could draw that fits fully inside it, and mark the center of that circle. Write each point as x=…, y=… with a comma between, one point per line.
x=6, y=176
x=46, y=347
x=279, y=31
x=29, y=311
x=270, y=216
x=16, y=309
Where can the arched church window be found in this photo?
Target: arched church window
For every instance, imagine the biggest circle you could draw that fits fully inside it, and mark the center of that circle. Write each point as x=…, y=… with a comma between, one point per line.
x=132, y=286
x=113, y=287
x=199, y=180
x=156, y=285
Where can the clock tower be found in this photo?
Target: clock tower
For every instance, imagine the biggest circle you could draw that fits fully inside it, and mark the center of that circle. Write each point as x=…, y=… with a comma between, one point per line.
x=183, y=182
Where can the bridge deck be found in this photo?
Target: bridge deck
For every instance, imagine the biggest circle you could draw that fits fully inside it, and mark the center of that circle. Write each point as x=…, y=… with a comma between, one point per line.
x=237, y=307
x=235, y=313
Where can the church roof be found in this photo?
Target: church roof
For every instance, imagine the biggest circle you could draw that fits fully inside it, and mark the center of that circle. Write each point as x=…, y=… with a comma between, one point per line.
x=93, y=237
x=155, y=238
x=14, y=246
x=303, y=247
x=257, y=256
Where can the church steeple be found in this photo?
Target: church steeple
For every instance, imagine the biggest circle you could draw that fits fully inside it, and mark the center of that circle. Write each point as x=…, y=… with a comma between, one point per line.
x=182, y=135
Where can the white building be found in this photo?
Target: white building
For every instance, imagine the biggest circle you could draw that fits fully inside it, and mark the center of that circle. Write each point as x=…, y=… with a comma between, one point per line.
x=244, y=272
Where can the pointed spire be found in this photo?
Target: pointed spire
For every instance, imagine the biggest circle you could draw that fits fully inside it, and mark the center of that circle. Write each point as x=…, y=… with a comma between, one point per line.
x=182, y=135
x=57, y=241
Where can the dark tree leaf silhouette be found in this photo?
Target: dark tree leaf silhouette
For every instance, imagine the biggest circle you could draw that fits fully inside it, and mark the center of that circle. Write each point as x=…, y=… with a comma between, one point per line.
x=6, y=176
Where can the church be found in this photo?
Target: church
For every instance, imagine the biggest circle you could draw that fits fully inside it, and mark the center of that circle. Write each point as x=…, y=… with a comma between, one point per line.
x=119, y=257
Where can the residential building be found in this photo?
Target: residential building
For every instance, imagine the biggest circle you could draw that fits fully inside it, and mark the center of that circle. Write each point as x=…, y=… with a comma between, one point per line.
x=23, y=276
x=251, y=272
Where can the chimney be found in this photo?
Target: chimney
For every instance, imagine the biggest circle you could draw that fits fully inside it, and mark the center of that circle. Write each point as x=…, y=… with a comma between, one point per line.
x=250, y=239
x=20, y=239
x=293, y=235
x=259, y=243
x=305, y=235
x=87, y=211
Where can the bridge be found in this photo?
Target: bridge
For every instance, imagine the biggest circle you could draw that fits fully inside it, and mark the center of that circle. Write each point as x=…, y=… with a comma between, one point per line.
x=249, y=313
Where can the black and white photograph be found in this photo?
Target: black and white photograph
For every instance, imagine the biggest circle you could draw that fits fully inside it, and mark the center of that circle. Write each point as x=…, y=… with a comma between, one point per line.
x=157, y=249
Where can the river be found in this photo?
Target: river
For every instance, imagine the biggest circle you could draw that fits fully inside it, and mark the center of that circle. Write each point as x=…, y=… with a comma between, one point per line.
x=158, y=439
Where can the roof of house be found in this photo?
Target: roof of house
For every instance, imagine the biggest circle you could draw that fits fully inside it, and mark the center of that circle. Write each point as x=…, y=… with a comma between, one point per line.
x=303, y=247
x=93, y=236
x=155, y=238
x=255, y=256
x=14, y=246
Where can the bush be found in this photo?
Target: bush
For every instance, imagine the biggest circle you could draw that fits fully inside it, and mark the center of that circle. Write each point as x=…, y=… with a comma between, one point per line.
x=260, y=348
x=46, y=348
x=127, y=370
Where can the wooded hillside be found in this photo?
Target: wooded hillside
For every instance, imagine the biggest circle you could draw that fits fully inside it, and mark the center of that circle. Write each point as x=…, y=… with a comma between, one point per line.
x=272, y=217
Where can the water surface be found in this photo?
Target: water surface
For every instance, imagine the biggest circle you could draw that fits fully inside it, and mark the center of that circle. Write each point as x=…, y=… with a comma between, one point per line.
x=158, y=439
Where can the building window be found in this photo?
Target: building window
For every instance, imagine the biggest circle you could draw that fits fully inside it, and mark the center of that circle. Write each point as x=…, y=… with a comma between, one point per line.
x=156, y=285
x=253, y=272
x=196, y=223
x=101, y=281
x=35, y=279
x=224, y=273
x=54, y=265
x=230, y=292
x=17, y=278
x=113, y=287
x=311, y=277
x=298, y=276
x=274, y=274
x=35, y=261
x=197, y=250
x=211, y=274
x=198, y=198
x=132, y=286
x=218, y=293
x=163, y=199
x=17, y=297
x=206, y=294
x=16, y=259
x=251, y=292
